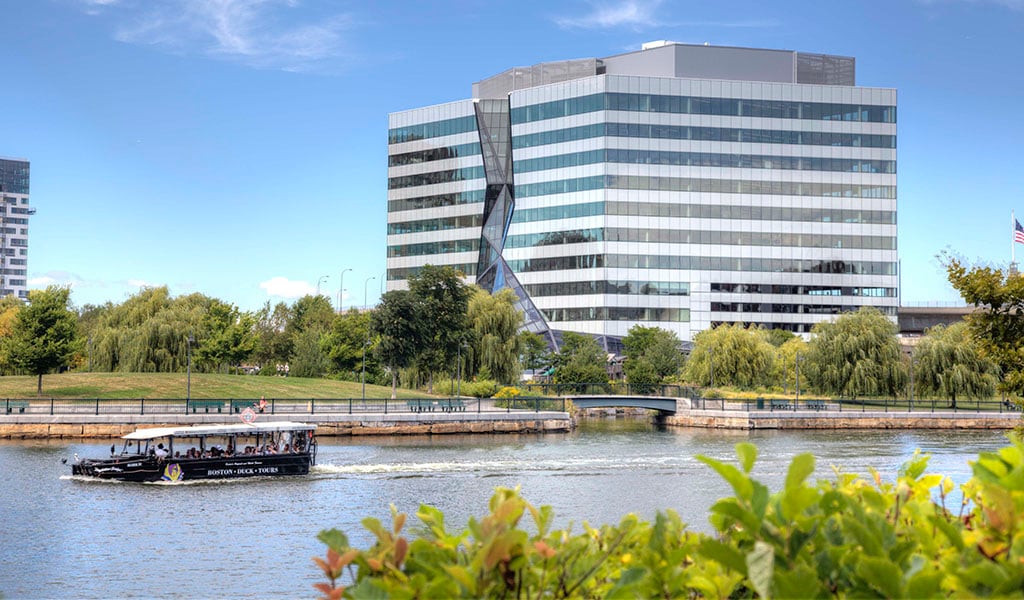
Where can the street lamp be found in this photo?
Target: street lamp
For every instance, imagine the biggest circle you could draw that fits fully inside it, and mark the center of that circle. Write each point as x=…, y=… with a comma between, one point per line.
x=796, y=366
x=341, y=290
x=188, y=352
x=322, y=277
x=711, y=367
x=368, y=280
x=363, y=377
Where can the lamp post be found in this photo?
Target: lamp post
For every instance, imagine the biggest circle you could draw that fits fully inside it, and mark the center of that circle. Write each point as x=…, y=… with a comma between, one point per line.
x=341, y=290
x=912, y=361
x=458, y=393
x=362, y=378
x=711, y=367
x=796, y=367
x=188, y=353
x=322, y=277
x=368, y=280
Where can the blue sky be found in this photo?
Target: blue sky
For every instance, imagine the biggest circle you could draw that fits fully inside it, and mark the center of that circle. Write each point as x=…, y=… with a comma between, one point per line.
x=238, y=148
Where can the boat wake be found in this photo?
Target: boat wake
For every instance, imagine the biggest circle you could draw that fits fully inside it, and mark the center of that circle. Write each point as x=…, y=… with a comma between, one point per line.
x=568, y=467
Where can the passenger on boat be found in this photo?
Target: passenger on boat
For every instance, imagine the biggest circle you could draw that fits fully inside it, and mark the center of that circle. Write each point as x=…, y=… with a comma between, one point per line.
x=161, y=452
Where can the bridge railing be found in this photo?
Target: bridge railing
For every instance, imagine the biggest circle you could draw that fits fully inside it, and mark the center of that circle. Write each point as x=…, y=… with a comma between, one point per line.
x=614, y=388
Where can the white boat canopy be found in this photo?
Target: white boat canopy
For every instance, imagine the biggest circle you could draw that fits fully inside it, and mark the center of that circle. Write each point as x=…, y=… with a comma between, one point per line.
x=209, y=430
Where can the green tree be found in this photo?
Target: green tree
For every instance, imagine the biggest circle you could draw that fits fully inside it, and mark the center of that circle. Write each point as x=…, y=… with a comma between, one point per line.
x=343, y=345
x=228, y=336
x=786, y=356
x=580, y=361
x=948, y=362
x=44, y=335
x=495, y=324
x=651, y=351
x=146, y=333
x=398, y=325
x=273, y=346
x=731, y=355
x=445, y=299
x=307, y=359
x=998, y=320
x=534, y=351
x=855, y=355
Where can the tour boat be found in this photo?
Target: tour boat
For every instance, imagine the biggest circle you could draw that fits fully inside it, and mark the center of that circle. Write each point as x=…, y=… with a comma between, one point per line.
x=196, y=452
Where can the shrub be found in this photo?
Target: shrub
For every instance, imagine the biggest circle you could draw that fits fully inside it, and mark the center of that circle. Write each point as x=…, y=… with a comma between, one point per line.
x=508, y=392
x=483, y=388
x=849, y=536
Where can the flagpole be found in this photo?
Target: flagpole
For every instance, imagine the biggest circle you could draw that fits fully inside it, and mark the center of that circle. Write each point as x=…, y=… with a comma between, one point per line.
x=1013, y=238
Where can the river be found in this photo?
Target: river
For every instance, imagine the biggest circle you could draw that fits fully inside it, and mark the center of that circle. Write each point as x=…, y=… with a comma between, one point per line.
x=64, y=537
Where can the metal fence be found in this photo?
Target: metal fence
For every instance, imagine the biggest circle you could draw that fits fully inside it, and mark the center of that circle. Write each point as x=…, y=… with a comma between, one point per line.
x=614, y=388
x=274, y=406
x=901, y=405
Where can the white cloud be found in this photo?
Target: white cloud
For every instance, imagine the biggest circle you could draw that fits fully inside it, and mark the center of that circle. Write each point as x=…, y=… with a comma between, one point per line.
x=642, y=14
x=631, y=13
x=257, y=33
x=283, y=287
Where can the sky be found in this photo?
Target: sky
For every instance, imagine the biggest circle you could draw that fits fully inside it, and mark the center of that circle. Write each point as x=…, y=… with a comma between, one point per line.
x=238, y=148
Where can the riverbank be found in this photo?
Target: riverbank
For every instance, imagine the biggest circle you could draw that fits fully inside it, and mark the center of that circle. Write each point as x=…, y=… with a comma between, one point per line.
x=29, y=426
x=831, y=419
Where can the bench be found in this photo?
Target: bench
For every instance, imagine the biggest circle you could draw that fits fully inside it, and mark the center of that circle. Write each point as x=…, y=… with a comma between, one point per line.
x=421, y=405
x=816, y=404
x=21, y=405
x=238, y=406
x=206, y=405
x=781, y=405
x=453, y=405
x=1008, y=404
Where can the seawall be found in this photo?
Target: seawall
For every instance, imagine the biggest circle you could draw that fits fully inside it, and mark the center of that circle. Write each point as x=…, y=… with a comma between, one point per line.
x=113, y=426
x=826, y=419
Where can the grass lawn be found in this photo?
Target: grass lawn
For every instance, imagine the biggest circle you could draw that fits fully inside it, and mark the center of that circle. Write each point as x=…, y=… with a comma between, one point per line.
x=173, y=385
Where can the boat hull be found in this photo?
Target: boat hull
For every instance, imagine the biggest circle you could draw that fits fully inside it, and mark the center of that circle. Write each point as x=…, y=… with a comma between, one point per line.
x=151, y=469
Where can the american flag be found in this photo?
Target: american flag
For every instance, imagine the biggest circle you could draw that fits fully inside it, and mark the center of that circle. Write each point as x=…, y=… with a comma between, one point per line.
x=1018, y=232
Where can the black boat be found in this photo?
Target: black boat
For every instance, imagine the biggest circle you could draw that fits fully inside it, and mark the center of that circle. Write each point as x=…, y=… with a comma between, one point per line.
x=207, y=452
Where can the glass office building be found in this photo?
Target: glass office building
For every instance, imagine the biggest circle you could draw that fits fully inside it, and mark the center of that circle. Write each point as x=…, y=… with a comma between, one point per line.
x=678, y=186
x=14, y=214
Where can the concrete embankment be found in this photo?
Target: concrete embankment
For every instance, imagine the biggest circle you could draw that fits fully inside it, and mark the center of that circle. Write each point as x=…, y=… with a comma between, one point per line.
x=826, y=419
x=112, y=426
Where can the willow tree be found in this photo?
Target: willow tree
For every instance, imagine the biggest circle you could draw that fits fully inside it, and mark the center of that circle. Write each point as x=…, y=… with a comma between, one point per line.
x=787, y=371
x=731, y=355
x=948, y=363
x=855, y=355
x=44, y=335
x=148, y=332
x=497, y=346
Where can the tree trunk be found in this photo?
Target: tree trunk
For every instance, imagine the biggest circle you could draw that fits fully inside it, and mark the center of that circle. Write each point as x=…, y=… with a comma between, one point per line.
x=394, y=384
x=430, y=384
x=39, y=386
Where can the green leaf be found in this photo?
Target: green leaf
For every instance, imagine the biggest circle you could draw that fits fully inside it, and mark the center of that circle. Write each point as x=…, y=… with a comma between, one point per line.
x=799, y=470
x=723, y=554
x=740, y=483
x=760, y=567
x=881, y=575
x=625, y=586
x=335, y=539
x=728, y=507
x=798, y=582
x=747, y=453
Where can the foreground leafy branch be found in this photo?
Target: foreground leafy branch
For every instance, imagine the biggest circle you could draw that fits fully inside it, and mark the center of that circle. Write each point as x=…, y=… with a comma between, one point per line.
x=845, y=537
